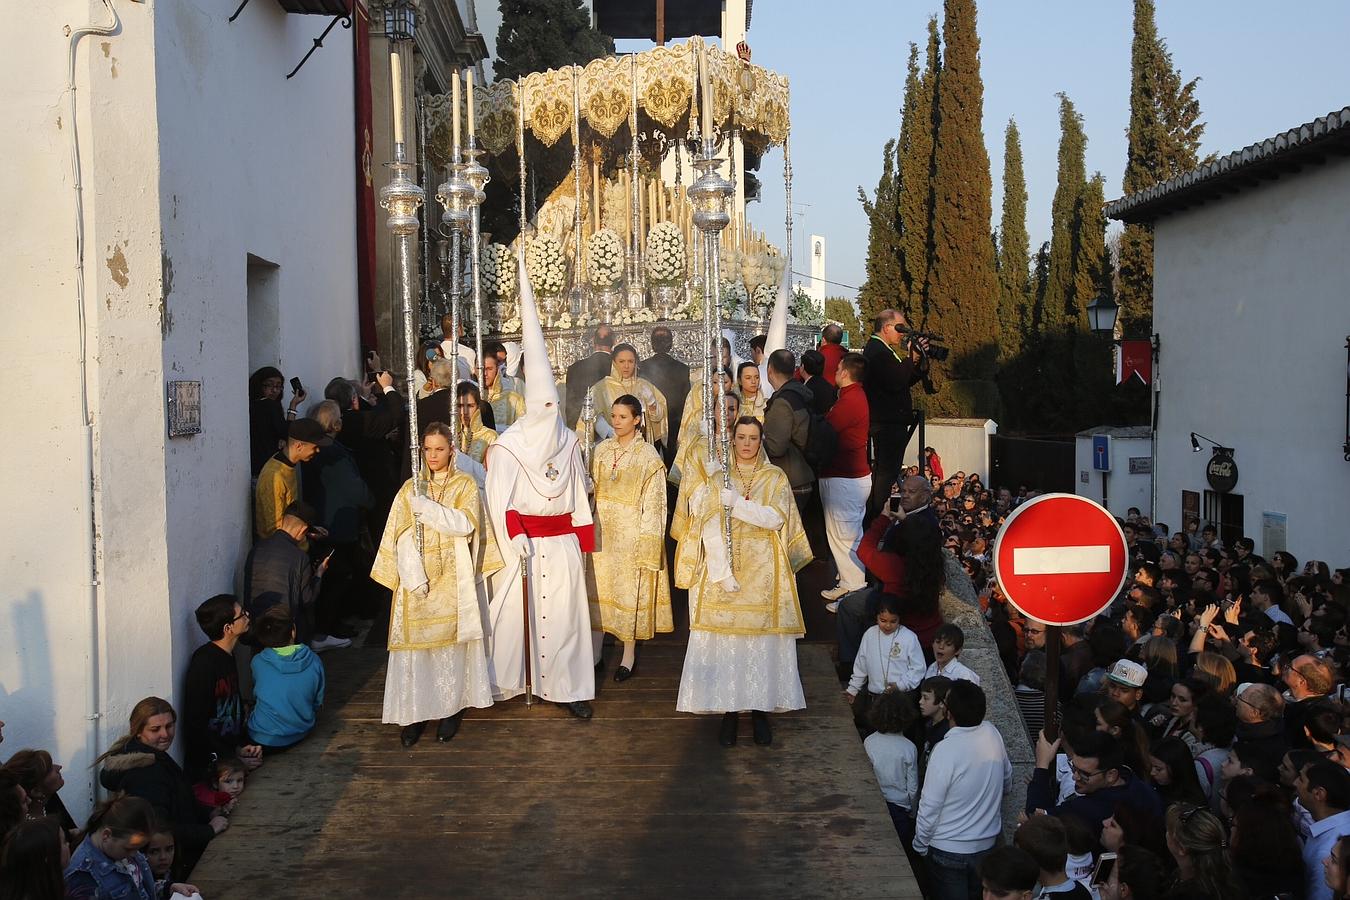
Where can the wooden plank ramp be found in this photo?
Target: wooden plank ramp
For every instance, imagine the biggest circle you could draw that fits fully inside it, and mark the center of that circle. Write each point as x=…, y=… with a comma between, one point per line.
x=641, y=801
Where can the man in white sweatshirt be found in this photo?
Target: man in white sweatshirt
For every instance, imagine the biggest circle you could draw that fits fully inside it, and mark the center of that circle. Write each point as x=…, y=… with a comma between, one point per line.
x=960, y=807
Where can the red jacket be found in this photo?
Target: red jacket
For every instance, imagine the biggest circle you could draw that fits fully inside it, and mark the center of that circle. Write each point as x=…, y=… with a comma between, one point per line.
x=850, y=417
x=890, y=568
x=832, y=353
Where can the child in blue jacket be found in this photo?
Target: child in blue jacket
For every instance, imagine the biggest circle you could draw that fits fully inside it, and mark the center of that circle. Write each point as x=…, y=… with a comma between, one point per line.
x=288, y=683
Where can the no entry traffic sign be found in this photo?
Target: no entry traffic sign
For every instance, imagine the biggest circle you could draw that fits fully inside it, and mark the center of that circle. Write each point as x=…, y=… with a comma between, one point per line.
x=1060, y=558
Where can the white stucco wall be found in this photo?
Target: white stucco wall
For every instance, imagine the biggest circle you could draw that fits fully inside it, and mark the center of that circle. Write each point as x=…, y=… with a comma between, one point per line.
x=196, y=151
x=1123, y=490
x=961, y=444
x=1252, y=308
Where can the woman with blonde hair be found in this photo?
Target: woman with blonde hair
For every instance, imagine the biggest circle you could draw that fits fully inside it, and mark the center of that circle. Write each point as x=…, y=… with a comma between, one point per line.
x=434, y=556
x=1198, y=842
x=1216, y=671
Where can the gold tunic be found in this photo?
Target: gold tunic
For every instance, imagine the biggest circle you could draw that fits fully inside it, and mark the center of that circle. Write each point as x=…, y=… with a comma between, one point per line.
x=631, y=599
x=610, y=388
x=474, y=440
x=426, y=623
x=764, y=561
x=507, y=405
x=754, y=406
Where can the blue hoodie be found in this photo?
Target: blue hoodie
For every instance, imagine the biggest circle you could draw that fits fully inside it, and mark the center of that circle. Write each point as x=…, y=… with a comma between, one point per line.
x=288, y=691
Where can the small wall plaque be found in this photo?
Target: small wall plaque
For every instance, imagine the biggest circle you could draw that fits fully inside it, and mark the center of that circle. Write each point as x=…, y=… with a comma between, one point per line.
x=185, y=408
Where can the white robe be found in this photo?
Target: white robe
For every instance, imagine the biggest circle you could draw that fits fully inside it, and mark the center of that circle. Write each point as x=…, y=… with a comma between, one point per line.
x=562, y=661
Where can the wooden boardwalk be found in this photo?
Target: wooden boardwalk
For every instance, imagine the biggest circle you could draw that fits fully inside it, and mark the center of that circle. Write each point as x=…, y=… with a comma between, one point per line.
x=639, y=802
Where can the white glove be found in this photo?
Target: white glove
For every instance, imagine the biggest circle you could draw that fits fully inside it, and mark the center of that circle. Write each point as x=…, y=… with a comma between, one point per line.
x=714, y=465
x=729, y=585
x=422, y=506
x=729, y=497
x=522, y=546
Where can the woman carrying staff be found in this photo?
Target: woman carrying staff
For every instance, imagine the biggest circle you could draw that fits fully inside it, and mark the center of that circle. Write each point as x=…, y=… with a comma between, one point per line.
x=744, y=617
x=691, y=422
x=632, y=592
x=701, y=464
x=474, y=436
x=437, y=664
x=623, y=379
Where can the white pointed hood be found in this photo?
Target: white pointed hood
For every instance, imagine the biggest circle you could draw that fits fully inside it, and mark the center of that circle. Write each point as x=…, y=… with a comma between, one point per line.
x=544, y=446
x=776, y=337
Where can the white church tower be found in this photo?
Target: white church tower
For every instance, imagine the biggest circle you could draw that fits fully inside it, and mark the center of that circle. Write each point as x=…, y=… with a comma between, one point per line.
x=817, y=253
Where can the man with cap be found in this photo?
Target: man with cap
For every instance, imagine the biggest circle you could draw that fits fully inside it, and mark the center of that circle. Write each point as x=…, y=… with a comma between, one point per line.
x=279, y=481
x=537, y=500
x=279, y=571
x=1125, y=684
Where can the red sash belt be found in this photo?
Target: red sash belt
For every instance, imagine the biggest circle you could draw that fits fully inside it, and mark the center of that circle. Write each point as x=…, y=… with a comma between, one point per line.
x=550, y=526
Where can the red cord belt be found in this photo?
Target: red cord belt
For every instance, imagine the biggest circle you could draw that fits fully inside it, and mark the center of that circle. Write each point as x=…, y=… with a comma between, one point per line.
x=550, y=526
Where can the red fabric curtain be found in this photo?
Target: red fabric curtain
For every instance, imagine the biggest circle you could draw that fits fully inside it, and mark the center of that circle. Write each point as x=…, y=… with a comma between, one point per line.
x=365, y=179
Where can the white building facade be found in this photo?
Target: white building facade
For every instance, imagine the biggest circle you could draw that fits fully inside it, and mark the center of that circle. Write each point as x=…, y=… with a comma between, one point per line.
x=217, y=235
x=1252, y=313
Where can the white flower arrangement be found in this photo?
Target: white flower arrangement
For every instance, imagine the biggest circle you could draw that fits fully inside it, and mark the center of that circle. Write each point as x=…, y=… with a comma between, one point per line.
x=546, y=265
x=511, y=325
x=762, y=298
x=665, y=254
x=804, y=310
x=734, y=298
x=758, y=269
x=498, y=271
x=628, y=316
x=606, y=259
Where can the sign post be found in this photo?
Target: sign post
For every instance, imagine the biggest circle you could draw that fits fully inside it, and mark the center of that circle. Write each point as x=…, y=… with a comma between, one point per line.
x=1059, y=559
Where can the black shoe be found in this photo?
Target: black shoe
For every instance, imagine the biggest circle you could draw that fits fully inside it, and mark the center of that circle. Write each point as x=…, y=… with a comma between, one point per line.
x=759, y=721
x=623, y=673
x=600, y=664
x=581, y=709
x=448, y=727
x=730, y=723
x=411, y=733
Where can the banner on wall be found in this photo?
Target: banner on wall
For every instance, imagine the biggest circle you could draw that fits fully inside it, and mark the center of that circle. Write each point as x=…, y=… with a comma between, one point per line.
x=1136, y=358
x=365, y=181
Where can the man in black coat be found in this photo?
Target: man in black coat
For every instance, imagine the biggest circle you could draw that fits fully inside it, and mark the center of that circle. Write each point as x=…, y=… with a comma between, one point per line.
x=891, y=372
x=823, y=394
x=671, y=378
x=278, y=571
x=366, y=432
x=584, y=373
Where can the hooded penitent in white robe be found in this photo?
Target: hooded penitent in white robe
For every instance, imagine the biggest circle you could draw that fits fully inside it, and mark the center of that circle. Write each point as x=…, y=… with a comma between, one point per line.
x=535, y=470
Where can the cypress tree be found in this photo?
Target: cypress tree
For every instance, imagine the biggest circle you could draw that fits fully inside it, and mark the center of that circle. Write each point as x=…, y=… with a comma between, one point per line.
x=884, y=287
x=1164, y=141
x=546, y=34
x=1013, y=249
x=1092, y=260
x=1064, y=211
x=916, y=171
x=963, y=290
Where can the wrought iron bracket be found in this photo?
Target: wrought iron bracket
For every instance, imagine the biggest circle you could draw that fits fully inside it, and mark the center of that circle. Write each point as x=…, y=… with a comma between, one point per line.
x=238, y=11
x=345, y=19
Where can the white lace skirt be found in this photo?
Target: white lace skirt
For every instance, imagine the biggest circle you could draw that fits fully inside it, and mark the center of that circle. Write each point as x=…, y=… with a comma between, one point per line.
x=733, y=672
x=424, y=685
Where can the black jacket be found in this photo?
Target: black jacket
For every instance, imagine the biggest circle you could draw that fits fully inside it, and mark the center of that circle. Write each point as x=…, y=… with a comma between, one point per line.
x=581, y=376
x=213, y=708
x=889, y=379
x=365, y=432
x=278, y=571
x=823, y=394
x=333, y=485
x=671, y=378
x=266, y=429
x=156, y=778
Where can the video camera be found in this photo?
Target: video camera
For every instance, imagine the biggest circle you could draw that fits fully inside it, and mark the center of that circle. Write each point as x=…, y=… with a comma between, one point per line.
x=935, y=351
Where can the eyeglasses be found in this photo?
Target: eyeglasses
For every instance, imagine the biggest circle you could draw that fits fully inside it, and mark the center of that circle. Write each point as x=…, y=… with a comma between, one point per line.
x=1080, y=773
x=242, y=615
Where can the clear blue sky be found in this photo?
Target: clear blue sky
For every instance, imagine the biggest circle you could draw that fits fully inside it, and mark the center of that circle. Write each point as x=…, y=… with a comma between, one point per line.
x=1265, y=67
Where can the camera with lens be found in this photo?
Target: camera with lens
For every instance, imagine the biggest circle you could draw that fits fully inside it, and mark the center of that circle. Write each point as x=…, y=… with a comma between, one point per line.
x=935, y=351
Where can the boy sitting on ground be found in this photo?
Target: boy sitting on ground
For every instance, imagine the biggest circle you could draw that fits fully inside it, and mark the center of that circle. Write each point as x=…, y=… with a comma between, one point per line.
x=288, y=683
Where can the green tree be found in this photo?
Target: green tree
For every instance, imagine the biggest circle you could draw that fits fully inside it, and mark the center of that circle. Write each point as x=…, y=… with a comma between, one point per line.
x=536, y=35
x=963, y=290
x=883, y=288
x=546, y=34
x=1064, y=213
x=840, y=309
x=1014, y=303
x=915, y=197
x=1164, y=141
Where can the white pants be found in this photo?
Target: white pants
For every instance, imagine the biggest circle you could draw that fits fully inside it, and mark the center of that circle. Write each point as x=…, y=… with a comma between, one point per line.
x=845, y=502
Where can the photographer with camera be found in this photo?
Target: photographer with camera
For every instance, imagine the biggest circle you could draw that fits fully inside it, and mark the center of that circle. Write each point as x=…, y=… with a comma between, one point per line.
x=896, y=361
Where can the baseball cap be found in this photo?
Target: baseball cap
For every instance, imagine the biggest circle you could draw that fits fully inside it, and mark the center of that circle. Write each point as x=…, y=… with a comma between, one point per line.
x=1128, y=673
x=309, y=431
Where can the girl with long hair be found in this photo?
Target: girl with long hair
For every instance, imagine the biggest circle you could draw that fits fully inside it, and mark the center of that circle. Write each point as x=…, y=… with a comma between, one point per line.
x=1171, y=769
x=474, y=436
x=1267, y=854
x=1197, y=841
x=109, y=862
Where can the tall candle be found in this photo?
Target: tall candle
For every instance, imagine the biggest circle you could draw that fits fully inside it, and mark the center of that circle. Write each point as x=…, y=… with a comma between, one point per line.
x=396, y=86
x=454, y=114
x=595, y=196
x=468, y=87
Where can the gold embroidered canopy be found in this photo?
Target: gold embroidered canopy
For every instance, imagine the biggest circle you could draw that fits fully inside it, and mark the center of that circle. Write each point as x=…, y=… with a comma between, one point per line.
x=667, y=79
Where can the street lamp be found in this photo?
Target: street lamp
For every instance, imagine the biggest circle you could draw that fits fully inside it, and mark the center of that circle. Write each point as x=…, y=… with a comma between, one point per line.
x=1197, y=438
x=1102, y=314
x=400, y=20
